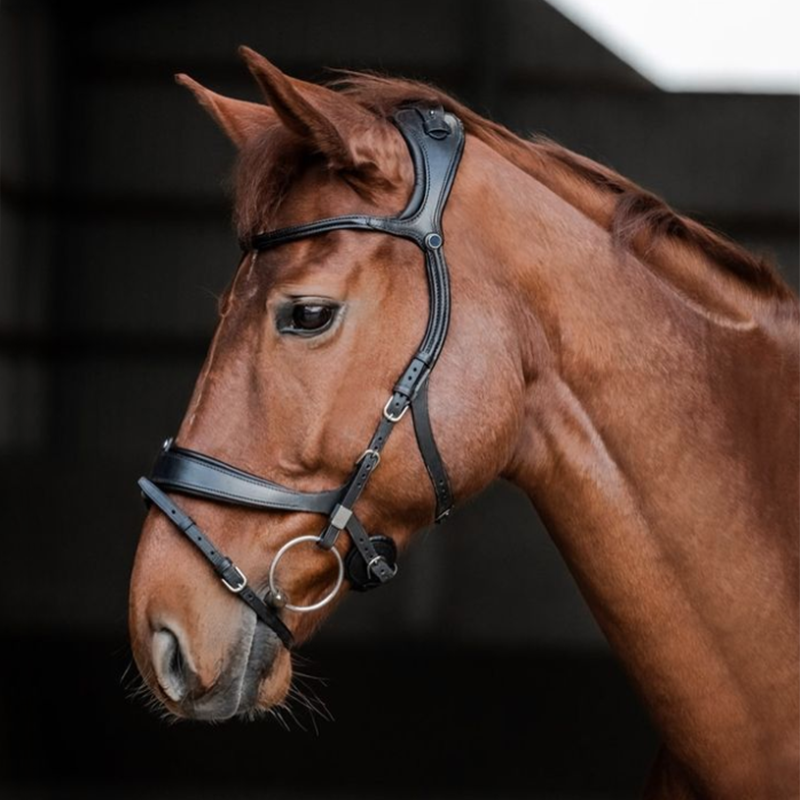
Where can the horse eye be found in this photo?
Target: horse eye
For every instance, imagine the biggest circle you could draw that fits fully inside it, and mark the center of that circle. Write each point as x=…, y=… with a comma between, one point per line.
x=308, y=318
x=311, y=317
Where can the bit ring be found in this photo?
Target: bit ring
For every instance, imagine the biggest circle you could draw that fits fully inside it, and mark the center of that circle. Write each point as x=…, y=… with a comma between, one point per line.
x=328, y=597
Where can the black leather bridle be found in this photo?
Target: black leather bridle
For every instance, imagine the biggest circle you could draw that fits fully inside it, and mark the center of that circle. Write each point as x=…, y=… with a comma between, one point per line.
x=435, y=139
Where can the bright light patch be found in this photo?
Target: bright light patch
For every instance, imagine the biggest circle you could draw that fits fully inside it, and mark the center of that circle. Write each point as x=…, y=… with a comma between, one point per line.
x=699, y=45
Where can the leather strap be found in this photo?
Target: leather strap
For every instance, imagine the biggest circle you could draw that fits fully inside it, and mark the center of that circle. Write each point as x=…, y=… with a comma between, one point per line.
x=232, y=577
x=186, y=471
x=430, y=454
x=270, y=239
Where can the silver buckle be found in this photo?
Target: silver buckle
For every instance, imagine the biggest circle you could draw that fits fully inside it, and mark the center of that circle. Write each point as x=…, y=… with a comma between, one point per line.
x=376, y=560
x=370, y=452
x=236, y=589
x=388, y=416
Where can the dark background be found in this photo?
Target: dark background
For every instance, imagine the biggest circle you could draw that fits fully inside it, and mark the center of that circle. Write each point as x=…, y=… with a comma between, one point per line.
x=114, y=240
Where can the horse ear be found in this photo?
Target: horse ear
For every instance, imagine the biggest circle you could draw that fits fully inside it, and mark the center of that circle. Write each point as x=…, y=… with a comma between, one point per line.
x=329, y=121
x=240, y=120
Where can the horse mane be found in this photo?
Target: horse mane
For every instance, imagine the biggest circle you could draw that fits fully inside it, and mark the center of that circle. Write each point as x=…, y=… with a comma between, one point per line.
x=638, y=215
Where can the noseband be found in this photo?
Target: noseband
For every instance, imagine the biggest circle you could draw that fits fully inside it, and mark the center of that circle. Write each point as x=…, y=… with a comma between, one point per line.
x=435, y=139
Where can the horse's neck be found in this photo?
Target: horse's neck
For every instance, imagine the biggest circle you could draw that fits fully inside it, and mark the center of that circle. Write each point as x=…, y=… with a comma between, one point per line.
x=660, y=448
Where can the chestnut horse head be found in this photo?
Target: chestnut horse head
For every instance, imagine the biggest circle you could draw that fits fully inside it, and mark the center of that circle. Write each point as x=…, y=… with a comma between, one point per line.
x=635, y=373
x=327, y=336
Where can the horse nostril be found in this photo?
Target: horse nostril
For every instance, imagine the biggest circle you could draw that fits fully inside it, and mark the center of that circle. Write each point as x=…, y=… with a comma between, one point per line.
x=173, y=673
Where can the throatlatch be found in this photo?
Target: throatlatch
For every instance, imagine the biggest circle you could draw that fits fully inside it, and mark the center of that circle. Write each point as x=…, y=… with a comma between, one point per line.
x=435, y=140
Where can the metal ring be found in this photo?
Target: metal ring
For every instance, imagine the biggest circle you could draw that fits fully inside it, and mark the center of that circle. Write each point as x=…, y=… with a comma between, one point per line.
x=328, y=597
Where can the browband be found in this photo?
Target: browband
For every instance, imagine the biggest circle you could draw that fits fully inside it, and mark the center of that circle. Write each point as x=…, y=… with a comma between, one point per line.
x=435, y=140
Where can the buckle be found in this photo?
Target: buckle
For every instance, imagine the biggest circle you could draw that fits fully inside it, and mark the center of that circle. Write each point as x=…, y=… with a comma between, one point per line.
x=236, y=589
x=388, y=416
x=369, y=452
x=373, y=562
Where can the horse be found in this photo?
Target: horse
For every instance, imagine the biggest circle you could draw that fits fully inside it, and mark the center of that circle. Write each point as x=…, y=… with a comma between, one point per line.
x=632, y=371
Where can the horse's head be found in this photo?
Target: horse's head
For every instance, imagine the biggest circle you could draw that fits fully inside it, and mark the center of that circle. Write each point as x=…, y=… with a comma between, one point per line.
x=313, y=336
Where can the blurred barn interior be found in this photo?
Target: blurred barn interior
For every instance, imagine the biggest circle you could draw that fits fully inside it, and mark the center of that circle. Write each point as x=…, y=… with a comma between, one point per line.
x=115, y=240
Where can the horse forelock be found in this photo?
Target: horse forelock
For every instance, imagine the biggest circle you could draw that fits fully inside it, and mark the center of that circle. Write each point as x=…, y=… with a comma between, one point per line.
x=264, y=172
